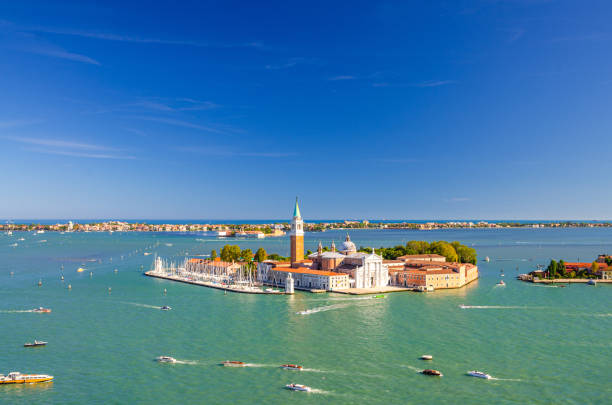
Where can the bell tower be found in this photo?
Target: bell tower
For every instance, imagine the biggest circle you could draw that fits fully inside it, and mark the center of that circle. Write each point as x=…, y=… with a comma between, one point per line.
x=297, y=235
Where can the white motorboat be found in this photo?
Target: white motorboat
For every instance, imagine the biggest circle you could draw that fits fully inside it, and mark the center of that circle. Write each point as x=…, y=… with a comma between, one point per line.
x=426, y=357
x=298, y=387
x=479, y=374
x=501, y=282
x=166, y=359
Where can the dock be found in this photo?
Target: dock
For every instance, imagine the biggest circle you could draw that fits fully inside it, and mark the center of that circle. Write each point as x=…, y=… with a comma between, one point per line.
x=213, y=285
x=566, y=280
x=366, y=291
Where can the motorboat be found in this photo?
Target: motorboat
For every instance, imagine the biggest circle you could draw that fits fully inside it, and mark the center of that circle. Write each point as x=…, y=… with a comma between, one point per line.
x=291, y=367
x=166, y=308
x=80, y=270
x=380, y=296
x=228, y=363
x=501, y=282
x=271, y=290
x=16, y=377
x=431, y=372
x=592, y=282
x=166, y=359
x=41, y=310
x=35, y=344
x=487, y=259
x=298, y=387
x=479, y=374
x=426, y=357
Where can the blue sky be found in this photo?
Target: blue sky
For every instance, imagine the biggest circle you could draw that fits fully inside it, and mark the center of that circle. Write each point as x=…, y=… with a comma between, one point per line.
x=396, y=109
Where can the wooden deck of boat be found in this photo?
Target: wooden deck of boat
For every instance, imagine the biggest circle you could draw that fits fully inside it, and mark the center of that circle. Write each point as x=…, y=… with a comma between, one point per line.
x=211, y=285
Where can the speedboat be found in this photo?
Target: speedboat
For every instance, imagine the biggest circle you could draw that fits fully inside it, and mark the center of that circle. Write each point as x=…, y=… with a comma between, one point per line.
x=501, y=282
x=15, y=377
x=298, y=387
x=80, y=270
x=166, y=308
x=379, y=296
x=479, y=374
x=291, y=367
x=434, y=373
x=426, y=357
x=166, y=359
x=228, y=363
x=41, y=309
x=35, y=344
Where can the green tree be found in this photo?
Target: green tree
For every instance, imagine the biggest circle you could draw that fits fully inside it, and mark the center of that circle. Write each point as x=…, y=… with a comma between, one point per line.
x=561, y=269
x=417, y=247
x=552, y=269
x=261, y=255
x=230, y=253
x=594, y=267
x=247, y=255
x=466, y=254
x=444, y=249
x=213, y=254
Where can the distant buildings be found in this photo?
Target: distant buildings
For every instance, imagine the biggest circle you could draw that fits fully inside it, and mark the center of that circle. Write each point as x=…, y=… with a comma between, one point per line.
x=430, y=271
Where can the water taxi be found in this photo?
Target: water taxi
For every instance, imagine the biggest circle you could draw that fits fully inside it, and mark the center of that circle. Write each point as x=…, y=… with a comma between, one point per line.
x=291, y=367
x=479, y=374
x=434, y=373
x=166, y=359
x=41, y=310
x=426, y=357
x=35, y=344
x=228, y=363
x=16, y=377
x=298, y=387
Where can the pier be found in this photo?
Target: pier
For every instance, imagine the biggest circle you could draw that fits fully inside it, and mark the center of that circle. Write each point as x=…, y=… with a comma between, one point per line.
x=218, y=286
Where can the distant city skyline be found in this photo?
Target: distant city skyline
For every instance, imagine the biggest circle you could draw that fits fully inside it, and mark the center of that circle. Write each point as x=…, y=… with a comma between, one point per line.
x=398, y=110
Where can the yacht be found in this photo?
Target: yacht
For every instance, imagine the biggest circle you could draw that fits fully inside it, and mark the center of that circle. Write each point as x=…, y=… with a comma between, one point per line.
x=298, y=387
x=228, y=363
x=35, y=344
x=166, y=359
x=41, y=309
x=15, y=377
x=426, y=357
x=291, y=367
x=479, y=374
x=434, y=373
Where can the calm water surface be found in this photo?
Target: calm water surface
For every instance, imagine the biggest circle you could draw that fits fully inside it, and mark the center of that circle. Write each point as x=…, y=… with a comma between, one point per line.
x=542, y=344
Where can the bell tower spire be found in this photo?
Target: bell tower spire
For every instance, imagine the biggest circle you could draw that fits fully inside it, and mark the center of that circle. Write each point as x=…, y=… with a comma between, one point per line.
x=297, y=235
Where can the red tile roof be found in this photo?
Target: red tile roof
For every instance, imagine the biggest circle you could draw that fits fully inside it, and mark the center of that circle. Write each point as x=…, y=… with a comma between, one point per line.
x=305, y=270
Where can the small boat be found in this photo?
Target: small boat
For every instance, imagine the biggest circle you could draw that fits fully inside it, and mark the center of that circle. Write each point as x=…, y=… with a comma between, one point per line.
x=487, y=259
x=501, y=282
x=41, y=309
x=16, y=377
x=426, y=357
x=298, y=387
x=147, y=253
x=291, y=367
x=592, y=282
x=35, y=344
x=165, y=359
x=379, y=296
x=80, y=270
x=228, y=363
x=434, y=373
x=166, y=308
x=479, y=374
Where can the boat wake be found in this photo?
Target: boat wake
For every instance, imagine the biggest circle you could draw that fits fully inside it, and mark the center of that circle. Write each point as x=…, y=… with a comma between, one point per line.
x=15, y=311
x=602, y=315
x=416, y=370
x=141, y=305
x=190, y=362
x=506, y=379
x=321, y=309
x=313, y=370
x=490, y=307
x=317, y=391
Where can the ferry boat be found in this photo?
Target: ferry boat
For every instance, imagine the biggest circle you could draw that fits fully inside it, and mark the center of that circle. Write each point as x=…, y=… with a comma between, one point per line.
x=35, y=344
x=41, y=310
x=291, y=367
x=426, y=357
x=434, y=373
x=16, y=377
x=166, y=359
x=479, y=374
x=228, y=363
x=298, y=387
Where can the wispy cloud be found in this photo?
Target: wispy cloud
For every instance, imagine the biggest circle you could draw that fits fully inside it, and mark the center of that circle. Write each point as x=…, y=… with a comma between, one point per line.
x=401, y=161
x=17, y=123
x=217, y=151
x=434, y=83
x=291, y=62
x=184, y=124
x=596, y=36
x=458, y=199
x=82, y=154
x=56, y=143
x=342, y=77
x=68, y=148
x=56, y=52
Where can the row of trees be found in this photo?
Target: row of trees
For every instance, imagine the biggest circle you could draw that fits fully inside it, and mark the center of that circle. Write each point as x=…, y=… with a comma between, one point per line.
x=558, y=270
x=233, y=253
x=453, y=251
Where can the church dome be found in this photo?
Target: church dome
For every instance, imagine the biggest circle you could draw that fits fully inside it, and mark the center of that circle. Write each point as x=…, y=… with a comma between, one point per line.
x=348, y=246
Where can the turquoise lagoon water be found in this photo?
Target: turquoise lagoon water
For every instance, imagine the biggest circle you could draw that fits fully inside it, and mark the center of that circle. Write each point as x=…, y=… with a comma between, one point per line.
x=542, y=344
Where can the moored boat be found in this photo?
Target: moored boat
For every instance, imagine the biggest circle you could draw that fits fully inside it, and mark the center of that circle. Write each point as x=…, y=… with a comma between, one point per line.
x=434, y=373
x=592, y=282
x=166, y=359
x=229, y=363
x=298, y=387
x=35, y=344
x=291, y=367
x=16, y=377
x=479, y=374
x=41, y=309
